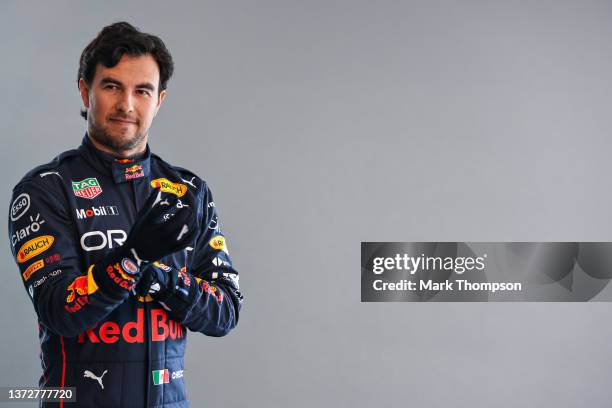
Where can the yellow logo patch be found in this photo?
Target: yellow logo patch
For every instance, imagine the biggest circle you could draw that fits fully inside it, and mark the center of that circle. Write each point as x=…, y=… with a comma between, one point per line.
x=33, y=247
x=218, y=242
x=167, y=186
x=33, y=268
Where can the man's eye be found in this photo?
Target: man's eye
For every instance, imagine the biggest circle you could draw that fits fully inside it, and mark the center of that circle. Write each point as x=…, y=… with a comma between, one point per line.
x=144, y=92
x=110, y=86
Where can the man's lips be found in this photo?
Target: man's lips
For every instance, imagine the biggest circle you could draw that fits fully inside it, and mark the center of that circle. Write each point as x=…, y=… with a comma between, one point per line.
x=123, y=120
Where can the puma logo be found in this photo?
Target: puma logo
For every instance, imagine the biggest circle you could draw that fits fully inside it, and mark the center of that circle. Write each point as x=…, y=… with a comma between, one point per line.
x=189, y=182
x=89, y=374
x=51, y=172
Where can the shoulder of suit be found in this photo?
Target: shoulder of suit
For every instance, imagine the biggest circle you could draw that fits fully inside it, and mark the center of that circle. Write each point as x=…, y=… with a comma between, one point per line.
x=186, y=175
x=50, y=170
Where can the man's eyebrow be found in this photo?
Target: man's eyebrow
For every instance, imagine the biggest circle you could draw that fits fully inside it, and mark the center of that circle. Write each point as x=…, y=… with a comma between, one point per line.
x=145, y=85
x=109, y=80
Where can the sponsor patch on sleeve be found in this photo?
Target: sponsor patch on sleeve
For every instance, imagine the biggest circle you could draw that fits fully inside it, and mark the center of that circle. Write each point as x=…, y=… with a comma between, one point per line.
x=33, y=268
x=168, y=186
x=218, y=242
x=34, y=247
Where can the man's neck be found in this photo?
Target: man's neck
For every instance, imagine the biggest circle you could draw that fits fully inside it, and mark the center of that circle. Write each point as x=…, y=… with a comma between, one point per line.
x=120, y=154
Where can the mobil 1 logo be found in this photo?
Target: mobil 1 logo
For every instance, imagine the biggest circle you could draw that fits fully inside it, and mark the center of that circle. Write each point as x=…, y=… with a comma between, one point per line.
x=83, y=213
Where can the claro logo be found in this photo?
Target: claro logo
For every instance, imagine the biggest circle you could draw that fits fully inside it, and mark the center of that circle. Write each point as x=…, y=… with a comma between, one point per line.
x=109, y=332
x=95, y=240
x=34, y=226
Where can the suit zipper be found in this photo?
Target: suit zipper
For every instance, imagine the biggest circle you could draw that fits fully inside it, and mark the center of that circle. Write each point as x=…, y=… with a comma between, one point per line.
x=147, y=322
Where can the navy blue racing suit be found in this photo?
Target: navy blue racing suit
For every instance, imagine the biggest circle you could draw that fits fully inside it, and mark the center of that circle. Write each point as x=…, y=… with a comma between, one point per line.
x=96, y=334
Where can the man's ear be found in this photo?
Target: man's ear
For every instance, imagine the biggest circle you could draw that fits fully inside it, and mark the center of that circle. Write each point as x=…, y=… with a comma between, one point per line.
x=162, y=96
x=84, y=91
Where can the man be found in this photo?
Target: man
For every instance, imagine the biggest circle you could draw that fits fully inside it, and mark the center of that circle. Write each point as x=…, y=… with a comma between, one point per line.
x=119, y=251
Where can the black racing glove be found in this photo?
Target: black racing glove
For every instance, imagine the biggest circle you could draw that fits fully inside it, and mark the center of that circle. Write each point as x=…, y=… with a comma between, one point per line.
x=173, y=289
x=163, y=226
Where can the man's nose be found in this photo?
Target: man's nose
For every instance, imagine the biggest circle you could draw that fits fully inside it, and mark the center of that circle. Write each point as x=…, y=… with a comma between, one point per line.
x=125, y=102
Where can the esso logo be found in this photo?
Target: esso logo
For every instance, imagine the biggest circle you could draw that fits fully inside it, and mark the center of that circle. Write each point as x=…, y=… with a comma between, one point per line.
x=96, y=240
x=20, y=206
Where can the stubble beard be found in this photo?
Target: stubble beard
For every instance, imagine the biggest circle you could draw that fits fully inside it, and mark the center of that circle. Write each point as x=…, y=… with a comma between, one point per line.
x=117, y=144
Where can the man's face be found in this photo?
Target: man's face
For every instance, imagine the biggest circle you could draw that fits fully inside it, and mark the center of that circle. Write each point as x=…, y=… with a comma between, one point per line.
x=122, y=102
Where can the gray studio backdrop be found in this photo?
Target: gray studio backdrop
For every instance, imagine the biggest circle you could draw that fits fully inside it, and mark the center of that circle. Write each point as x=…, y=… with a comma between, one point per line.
x=321, y=124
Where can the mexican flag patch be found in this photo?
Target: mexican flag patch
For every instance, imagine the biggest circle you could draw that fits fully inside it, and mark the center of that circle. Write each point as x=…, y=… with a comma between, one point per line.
x=161, y=377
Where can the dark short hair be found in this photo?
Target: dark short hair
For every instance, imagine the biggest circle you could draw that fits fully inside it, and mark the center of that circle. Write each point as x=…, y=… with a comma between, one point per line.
x=118, y=39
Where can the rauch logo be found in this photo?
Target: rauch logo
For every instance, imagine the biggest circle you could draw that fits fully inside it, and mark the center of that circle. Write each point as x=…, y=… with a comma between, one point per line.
x=167, y=186
x=34, y=247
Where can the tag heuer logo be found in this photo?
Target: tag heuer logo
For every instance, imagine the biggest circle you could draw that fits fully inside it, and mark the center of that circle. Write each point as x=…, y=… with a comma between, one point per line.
x=88, y=188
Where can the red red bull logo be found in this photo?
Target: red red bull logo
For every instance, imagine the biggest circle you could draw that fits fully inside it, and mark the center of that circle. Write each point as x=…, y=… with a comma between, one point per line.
x=118, y=275
x=78, y=292
x=162, y=328
x=77, y=287
x=133, y=169
x=134, y=172
x=183, y=274
x=211, y=290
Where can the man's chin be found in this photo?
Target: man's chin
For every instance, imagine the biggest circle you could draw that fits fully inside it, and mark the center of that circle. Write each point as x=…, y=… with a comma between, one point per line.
x=119, y=141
